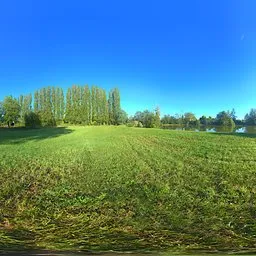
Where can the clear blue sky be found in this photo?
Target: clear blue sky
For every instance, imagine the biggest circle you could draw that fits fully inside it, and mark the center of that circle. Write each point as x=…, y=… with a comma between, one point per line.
x=192, y=55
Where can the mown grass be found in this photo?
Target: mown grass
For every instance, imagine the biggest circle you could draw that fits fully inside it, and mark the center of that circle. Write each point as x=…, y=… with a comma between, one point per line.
x=119, y=188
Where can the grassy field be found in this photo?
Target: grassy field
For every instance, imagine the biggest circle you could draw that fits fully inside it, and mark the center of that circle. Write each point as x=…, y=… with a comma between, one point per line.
x=120, y=188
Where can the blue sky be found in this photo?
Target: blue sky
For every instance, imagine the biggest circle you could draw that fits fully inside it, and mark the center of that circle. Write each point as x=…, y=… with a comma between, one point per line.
x=192, y=55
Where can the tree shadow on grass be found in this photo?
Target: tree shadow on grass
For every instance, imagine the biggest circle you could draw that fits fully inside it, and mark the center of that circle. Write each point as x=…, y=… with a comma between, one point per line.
x=18, y=239
x=21, y=135
x=19, y=242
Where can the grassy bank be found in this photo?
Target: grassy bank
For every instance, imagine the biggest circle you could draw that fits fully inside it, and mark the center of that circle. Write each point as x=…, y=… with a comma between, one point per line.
x=126, y=188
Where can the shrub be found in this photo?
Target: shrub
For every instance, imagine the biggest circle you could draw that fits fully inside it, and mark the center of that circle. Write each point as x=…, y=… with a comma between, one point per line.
x=140, y=124
x=32, y=120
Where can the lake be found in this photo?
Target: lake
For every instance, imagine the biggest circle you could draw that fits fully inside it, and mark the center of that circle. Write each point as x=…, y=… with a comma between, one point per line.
x=220, y=129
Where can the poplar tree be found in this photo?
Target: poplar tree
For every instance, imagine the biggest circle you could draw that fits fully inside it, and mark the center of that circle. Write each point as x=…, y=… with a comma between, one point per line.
x=87, y=94
x=157, y=122
x=27, y=104
x=36, y=101
x=114, y=106
x=85, y=105
x=97, y=106
x=110, y=108
x=20, y=101
x=76, y=104
x=105, y=108
x=68, y=112
x=54, y=102
x=46, y=107
x=61, y=104
x=93, y=104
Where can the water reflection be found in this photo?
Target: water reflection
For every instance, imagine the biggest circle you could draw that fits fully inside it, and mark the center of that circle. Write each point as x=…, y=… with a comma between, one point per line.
x=236, y=129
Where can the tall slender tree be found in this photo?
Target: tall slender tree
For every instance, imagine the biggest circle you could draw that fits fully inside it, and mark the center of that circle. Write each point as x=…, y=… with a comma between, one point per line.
x=54, y=102
x=61, y=104
x=68, y=112
x=157, y=122
x=114, y=106
x=93, y=104
x=85, y=105
x=36, y=101
x=105, y=108
x=25, y=106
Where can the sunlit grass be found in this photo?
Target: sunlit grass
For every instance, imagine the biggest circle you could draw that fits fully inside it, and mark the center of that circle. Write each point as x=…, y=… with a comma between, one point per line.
x=126, y=189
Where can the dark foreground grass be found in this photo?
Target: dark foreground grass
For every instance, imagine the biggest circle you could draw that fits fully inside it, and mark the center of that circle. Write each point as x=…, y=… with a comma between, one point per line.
x=119, y=188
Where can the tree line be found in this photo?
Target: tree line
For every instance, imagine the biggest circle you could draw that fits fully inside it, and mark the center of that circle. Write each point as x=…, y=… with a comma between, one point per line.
x=86, y=105
x=148, y=118
x=50, y=106
x=223, y=118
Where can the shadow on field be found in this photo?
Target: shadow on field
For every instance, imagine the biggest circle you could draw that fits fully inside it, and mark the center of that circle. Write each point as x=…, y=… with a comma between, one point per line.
x=21, y=135
x=17, y=240
x=245, y=135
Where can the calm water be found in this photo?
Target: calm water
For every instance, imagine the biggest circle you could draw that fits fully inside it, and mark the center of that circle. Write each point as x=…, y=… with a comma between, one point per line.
x=237, y=129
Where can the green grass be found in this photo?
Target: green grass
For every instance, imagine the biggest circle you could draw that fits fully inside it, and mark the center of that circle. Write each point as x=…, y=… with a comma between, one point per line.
x=120, y=188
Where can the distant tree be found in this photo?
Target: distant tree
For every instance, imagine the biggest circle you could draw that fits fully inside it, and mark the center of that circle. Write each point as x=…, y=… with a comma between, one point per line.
x=139, y=116
x=46, y=107
x=68, y=111
x=54, y=102
x=157, y=120
x=203, y=120
x=11, y=110
x=140, y=125
x=61, y=104
x=32, y=120
x=110, y=108
x=210, y=120
x=21, y=101
x=114, y=108
x=36, y=101
x=85, y=94
x=189, y=118
x=88, y=106
x=76, y=116
x=168, y=119
x=1, y=113
x=239, y=122
x=223, y=118
x=88, y=112
x=93, y=104
x=122, y=117
x=25, y=102
x=196, y=123
x=58, y=99
x=147, y=118
x=42, y=98
x=104, y=103
x=233, y=114
x=179, y=118
x=98, y=106
x=250, y=118
x=116, y=104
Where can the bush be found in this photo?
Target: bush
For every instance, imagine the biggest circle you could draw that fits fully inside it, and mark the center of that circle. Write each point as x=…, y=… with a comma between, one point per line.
x=135, y=124
x=140, y=125
x=32, y=120
x=130, y=124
